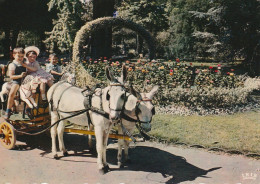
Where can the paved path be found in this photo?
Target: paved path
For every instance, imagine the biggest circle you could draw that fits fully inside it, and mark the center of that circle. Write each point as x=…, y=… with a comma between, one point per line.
x=152, y=163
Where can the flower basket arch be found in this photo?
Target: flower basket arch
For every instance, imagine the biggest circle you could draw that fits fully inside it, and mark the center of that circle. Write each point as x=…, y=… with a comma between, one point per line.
x=101, y=23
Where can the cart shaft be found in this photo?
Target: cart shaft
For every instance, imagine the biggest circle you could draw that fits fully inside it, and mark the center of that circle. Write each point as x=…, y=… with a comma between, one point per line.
x=87, y=132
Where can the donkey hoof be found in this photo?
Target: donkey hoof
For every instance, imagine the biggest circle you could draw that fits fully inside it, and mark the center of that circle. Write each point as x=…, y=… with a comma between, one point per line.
x=120, y=165
x=65, y=154
x=106, y=168
x=55, y=157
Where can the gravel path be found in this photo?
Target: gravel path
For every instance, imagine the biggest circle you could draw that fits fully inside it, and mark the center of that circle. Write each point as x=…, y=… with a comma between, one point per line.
x=152, y=163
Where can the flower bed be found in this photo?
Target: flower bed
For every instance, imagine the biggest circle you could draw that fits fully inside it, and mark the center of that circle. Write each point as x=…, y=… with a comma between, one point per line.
x=184, y=85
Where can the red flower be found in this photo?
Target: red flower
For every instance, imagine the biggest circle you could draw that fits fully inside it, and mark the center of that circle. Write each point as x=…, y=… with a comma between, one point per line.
x=90, y=59
x=105, y=57
x=216, y=71
x=190, y=64
x=228, y=73
x=171, y=70
x=219, y=65
x=210, y=67
x=232, y=70
x=177, y=60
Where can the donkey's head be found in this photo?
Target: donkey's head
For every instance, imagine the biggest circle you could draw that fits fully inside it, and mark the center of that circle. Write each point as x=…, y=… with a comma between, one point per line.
x=142, y=107
x=115, y=93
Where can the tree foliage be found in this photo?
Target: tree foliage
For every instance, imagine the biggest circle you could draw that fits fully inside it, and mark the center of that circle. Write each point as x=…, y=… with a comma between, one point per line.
x=70, y=17
x=22, y=15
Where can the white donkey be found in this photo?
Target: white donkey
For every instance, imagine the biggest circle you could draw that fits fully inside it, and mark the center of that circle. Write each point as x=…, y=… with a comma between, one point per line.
x=138, y=109
x=26, y=90
x=65, y=98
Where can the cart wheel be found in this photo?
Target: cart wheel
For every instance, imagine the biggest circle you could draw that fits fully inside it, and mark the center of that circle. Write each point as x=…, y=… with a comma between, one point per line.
x=8, y=135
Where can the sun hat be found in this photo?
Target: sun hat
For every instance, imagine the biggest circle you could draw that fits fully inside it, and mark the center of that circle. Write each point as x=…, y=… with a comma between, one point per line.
x=32, y=48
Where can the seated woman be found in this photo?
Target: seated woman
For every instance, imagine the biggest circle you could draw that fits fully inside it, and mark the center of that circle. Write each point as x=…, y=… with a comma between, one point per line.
x=34, y=69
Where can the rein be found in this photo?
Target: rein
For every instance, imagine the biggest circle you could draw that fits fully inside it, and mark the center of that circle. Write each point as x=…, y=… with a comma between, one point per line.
x=88, y=104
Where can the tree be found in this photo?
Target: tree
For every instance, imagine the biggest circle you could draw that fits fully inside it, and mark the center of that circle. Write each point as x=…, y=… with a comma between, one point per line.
x=68, y=22
x=102, y=39
x=150, y=14
x=28, y=15
x=241, y=20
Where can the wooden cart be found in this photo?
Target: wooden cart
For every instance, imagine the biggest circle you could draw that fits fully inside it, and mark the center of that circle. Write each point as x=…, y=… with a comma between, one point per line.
x=19, y=124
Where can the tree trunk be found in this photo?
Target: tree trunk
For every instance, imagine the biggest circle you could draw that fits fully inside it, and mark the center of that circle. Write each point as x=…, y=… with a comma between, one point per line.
x=255, y=64
x=7, y=44
x=102, y=39
x=14, y=38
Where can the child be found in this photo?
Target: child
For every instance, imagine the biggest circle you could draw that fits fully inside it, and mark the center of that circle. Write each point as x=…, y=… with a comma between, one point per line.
x=34, y=69
x=16, y=72
x=54, y=68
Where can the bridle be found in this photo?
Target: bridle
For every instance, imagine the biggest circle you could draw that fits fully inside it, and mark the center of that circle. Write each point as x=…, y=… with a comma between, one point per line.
x=125, y=97
x=137, y=110
x=145, y=99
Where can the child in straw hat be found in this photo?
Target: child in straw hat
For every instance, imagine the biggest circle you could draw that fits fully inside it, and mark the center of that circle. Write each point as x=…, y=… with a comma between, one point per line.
x=34, y=69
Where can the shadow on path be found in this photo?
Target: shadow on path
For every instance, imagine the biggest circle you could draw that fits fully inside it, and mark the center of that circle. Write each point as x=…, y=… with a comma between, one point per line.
x=173, y=168
x=76, y=143
x=154, y=160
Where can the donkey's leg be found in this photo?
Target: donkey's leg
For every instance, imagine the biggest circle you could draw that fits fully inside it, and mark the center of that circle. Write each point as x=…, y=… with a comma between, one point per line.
x=120, y=147
x=60, y=131
x=99, y=146
x=54, y=118
x=105, y=139
x=130, y=126
x=126, y=148
x=90, y=145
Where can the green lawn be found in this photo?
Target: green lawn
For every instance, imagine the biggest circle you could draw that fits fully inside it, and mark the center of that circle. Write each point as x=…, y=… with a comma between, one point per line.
x=240, y=131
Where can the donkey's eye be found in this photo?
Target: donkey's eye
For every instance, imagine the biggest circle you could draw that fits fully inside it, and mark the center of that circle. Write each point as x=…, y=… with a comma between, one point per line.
x=138, y=111
x=123, y=96
x=108, y=96
x=153, y=111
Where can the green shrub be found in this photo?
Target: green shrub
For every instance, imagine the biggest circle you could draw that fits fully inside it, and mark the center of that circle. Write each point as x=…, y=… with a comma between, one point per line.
x=182, y=84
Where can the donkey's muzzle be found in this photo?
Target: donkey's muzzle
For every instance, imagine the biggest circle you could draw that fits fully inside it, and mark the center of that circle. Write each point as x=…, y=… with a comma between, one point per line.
x=114, y=114
x=147, y=127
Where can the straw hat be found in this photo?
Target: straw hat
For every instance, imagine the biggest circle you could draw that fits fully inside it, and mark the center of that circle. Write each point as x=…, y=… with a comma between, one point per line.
x=32, y=48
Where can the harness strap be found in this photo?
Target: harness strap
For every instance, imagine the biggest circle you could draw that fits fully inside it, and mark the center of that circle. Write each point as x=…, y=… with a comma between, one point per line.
x=61, y=97
x=146, y=136
x=51, y=100
x=126, y=132
x=128, y=118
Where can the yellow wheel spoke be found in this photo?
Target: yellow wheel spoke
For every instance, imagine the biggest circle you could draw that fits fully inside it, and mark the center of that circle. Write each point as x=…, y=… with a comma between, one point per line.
x=9, y=139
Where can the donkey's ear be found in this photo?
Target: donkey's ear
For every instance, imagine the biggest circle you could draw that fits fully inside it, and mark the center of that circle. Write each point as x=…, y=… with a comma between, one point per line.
x=135, y=93
x=153, y=91
x=124, y=72
x=109, y=74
